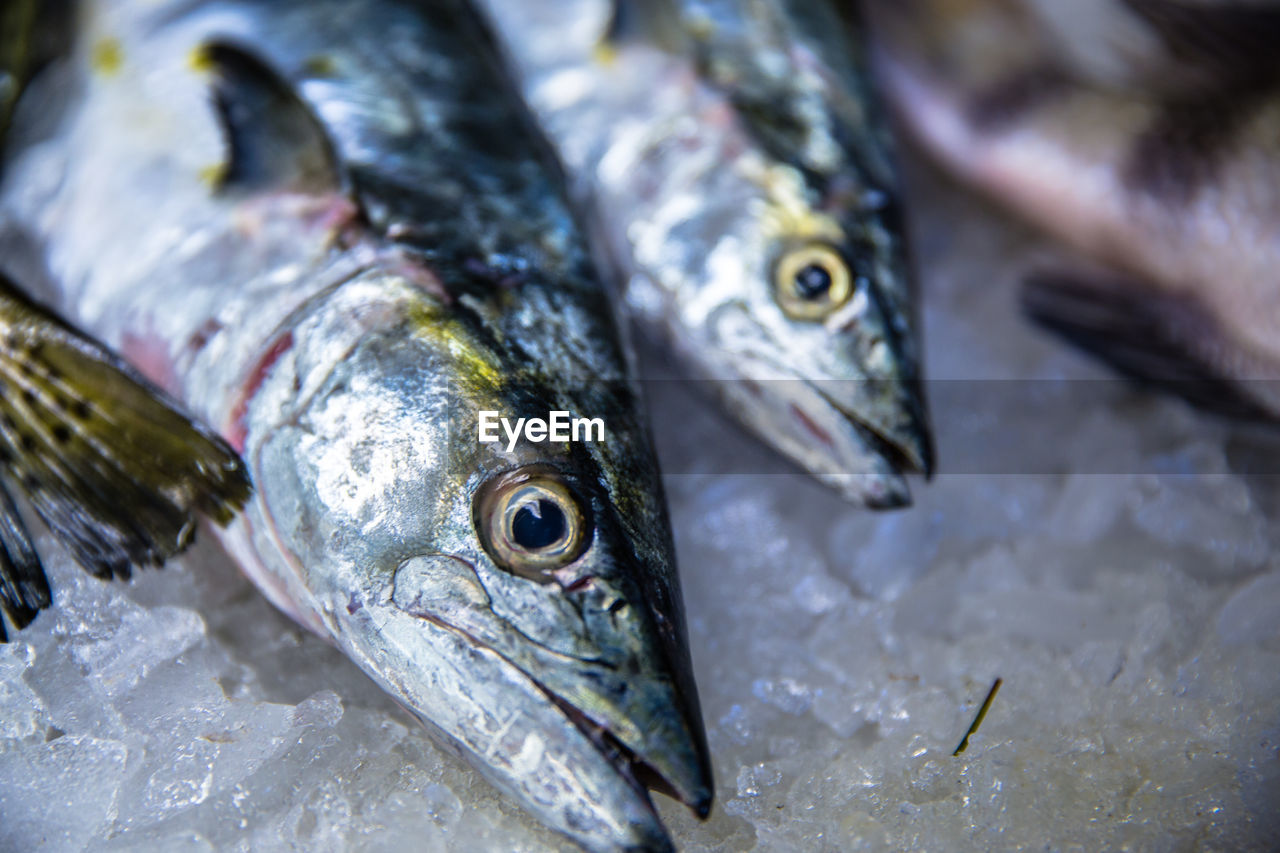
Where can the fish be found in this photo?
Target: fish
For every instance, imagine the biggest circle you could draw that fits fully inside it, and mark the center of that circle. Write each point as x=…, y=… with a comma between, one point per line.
x=333, y=231
x=1144, y=135
x=737, y=176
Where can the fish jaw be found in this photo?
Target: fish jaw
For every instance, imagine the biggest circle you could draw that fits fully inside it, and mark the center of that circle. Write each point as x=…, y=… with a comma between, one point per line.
x=799, y=419
x=502, y=722
x=585, y=643
x=891, y=413
x=564, y=688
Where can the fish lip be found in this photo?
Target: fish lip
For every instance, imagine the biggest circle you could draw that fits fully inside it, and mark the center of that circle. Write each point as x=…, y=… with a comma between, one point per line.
x=910, y=452
x=850, y=457
x=624, y=760
x=642, y=775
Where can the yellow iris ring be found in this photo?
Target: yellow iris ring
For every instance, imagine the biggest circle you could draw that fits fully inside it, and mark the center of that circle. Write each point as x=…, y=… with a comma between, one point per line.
x=800, y=306
x=500, y=503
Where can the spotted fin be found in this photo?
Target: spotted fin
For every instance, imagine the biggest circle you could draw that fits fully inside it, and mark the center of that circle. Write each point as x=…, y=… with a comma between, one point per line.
x=1166, y=341
x=108, y=462
x=273, y=140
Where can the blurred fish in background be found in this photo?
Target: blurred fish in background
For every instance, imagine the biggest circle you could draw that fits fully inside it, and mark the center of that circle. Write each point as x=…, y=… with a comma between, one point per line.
x=337, y=243
x=1143, y=133
x=737, y=171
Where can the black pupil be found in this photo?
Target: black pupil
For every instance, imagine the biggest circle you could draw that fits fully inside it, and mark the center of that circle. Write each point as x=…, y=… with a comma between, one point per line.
x=813, y=282
x=538, y=525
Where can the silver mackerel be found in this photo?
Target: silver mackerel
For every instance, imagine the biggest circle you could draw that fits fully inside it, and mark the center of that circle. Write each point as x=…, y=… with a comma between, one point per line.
x=331, y=229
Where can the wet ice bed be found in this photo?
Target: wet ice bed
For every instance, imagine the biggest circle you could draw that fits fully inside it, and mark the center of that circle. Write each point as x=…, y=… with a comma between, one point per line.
x=1108, y=553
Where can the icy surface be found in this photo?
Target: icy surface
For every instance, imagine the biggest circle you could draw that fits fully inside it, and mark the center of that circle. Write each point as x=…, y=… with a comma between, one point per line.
x=1124, y=585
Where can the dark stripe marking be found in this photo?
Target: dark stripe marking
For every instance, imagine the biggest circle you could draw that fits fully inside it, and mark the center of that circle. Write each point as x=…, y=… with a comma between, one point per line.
x=1185, y=146
x=1006, y=100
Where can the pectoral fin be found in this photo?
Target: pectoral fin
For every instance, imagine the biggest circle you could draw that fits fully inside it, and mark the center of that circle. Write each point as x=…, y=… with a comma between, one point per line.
x=108, y=462
x=1168, y=341
x=24, y=590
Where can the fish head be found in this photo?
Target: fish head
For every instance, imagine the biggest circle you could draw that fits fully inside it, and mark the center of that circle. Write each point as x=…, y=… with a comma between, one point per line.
x=518, y=596
x=800, y=315
x=766, y=233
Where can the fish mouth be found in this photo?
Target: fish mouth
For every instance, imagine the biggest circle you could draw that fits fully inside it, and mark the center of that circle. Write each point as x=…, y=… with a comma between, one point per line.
x=635, y=769
x=859, y=438
x=678, y=770
x=903, y=438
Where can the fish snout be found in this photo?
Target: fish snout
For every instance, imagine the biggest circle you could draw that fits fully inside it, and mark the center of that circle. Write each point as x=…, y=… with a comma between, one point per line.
x=892, y=413
x=587, y=711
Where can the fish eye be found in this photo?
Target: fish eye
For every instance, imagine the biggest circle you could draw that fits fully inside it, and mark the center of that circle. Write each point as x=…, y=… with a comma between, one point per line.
x=811, y=282
x=530, y=522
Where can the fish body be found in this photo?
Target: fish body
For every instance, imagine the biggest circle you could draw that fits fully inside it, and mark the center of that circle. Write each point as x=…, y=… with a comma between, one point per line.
x=737, y=173
x=1156, y=155
x=333, y=232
